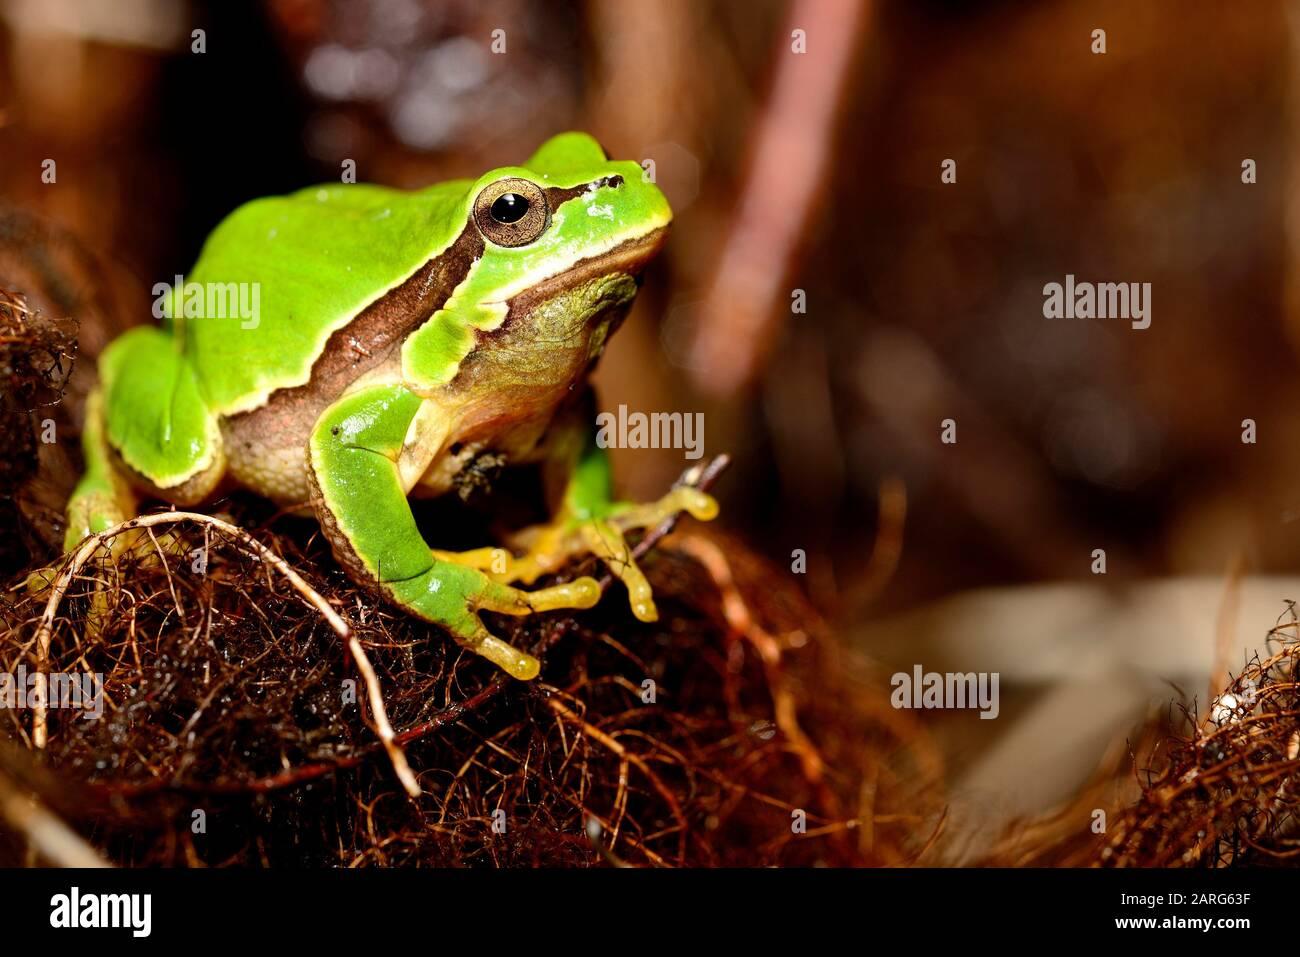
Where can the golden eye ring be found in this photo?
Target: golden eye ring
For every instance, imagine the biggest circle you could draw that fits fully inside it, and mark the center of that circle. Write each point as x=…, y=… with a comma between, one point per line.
x=511, y=212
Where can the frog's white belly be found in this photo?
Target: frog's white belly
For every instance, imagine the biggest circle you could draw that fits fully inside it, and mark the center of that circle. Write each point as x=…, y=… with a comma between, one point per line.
x=275, y=469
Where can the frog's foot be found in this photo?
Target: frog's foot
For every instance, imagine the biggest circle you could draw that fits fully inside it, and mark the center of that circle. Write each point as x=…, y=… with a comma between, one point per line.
x=549, y=547
x=470, y=631
x=452, y=594
x=90, y=512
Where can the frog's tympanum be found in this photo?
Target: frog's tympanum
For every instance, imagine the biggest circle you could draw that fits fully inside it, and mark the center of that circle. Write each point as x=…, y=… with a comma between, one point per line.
x=400, y=338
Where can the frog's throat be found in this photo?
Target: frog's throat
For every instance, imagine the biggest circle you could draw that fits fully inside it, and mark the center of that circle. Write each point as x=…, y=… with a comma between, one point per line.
x=520, y=372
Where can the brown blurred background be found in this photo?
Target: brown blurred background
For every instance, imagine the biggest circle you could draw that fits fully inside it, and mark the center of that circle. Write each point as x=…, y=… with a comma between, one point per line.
x=817, y=171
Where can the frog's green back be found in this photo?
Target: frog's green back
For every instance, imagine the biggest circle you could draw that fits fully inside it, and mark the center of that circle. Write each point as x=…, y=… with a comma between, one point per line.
x=308, y=263
x=305, y=264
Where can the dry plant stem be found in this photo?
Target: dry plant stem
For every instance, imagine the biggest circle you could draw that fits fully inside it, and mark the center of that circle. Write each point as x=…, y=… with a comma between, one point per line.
x=46, y=834
x=888, y=547
x=1224, y=628
x=793, y=145
x=701, y=477
x=251, y=546
x=934, y=837
x=742, y=623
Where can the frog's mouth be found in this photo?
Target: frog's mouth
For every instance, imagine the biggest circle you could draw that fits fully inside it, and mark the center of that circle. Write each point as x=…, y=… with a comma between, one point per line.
x=555, y=331
x=629, y=258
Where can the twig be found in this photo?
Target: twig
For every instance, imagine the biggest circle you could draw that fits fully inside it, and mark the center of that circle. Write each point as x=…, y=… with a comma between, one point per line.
x=792, y=146
x=887, y=549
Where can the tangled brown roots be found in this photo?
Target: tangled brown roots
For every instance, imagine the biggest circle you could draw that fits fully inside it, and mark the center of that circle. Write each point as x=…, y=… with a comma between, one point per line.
x=36, y=354
x=236, y=732
x=1228, y=790
x=1195, y=787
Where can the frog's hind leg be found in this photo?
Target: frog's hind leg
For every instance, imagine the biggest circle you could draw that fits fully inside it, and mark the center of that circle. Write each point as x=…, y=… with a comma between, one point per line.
x=102, y=498
x=359, y=495
x=147, y=430
x=164, y=436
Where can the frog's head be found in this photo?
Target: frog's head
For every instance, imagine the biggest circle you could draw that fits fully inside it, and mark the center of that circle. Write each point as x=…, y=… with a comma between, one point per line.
x=564, y=239
x=567, y=203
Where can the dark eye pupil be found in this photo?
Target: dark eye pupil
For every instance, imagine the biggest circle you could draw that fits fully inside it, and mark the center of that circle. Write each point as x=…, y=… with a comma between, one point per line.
x=509, y=208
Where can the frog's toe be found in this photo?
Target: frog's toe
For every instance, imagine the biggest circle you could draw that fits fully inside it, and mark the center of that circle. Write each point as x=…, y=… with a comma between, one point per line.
x=474, y=635
x=90, y=511
x=605, y=540
x=699, y=505
x=579, y=593
x=496, y=562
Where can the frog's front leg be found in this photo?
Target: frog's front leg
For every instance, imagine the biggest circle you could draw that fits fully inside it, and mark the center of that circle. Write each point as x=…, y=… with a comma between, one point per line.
x=590, y=521
x=359, y=494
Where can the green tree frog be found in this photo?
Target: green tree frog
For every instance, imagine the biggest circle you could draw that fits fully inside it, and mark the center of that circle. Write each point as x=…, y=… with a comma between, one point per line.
x=400, y=338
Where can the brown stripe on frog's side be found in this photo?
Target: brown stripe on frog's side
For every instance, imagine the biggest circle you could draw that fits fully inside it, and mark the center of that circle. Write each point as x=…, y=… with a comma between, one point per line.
x=383, y=326
x=265, y=446
x=374, y=337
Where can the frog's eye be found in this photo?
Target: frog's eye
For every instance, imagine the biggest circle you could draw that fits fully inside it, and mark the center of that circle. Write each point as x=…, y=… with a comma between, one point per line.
x=511, y=212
